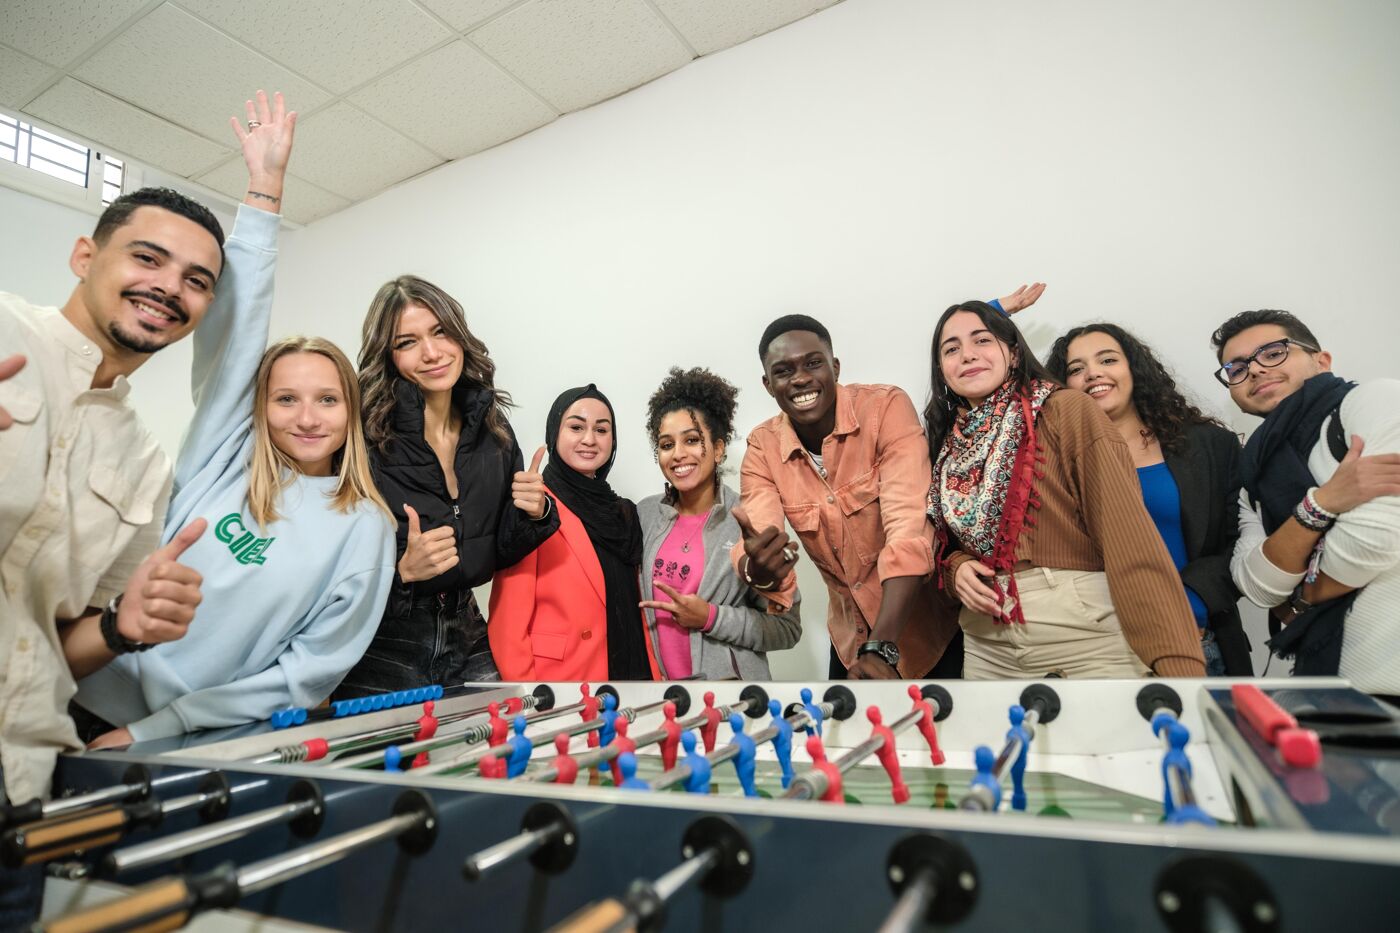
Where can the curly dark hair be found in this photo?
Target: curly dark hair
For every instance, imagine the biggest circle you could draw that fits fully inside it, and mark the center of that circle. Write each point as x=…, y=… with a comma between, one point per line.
x=710, y=399
x=1159, y=403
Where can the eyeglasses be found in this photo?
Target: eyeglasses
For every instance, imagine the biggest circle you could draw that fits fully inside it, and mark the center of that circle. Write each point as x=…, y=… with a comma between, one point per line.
x=1268, y=356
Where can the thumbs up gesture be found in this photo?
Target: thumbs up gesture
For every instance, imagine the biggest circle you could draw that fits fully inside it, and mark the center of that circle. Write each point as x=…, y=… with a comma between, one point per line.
x=429, y=553
x=527, y=489
x=160, y=598
x=770, y=553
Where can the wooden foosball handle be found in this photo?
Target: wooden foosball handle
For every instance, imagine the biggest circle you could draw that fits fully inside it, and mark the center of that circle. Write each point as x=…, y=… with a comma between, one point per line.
x=63, y=835
x=610, y=916
x=155, y=908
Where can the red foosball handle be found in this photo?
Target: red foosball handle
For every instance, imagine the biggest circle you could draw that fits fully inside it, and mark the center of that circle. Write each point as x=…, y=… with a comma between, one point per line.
x=1266, y=716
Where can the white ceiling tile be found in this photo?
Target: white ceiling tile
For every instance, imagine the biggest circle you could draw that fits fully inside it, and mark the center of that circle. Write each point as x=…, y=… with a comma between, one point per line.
x=302, y=202
x=20, y=77
x=351, y=154
x=454, y=101
x=57, y=31
x=190, y=73
x=354, y=39
x=578, y=52
x=711, y=25
x=464, y=14
x=103, y=119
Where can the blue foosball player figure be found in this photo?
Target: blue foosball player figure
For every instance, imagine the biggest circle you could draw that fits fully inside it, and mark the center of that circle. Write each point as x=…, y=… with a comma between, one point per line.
x=782, y=741
x=627, y=764
x=520, y=750
x=985, y=759
x=744, y=761
x=609, y=717
x=1176, y=757
x=814, y=712
x=1018, y=767
x=699, y=780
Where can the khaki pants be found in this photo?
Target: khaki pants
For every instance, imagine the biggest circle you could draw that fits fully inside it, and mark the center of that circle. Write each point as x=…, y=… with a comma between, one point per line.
x=1071, y=629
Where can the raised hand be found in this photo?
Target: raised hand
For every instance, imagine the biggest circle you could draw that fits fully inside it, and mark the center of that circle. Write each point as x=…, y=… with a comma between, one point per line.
x=527, y=489
x=1022, y=298
x=770, y=553
x=972, y=592
x=160, y=598
x=267, y=146
x=8, y=367
x=429, y=553
x=1359, y=479
x=689, y=611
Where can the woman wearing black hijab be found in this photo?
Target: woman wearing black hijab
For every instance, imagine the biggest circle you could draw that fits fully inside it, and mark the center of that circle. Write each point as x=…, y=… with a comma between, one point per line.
x=569, y=611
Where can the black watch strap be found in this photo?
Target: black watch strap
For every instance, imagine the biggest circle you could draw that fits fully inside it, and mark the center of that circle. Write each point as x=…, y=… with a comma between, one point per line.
x=116, y=642
x=887, y=651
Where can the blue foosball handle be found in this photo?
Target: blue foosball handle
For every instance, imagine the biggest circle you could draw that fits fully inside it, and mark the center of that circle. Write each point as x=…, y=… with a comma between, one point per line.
x=1190, y=814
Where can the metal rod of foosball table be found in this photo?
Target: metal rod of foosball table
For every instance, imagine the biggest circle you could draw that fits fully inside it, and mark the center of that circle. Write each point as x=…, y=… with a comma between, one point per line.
x=465, y=761
x=136, y=785
x=304, y=810
x=474, y=734
x=170, y=903
x=911, y=908
x=64, y=835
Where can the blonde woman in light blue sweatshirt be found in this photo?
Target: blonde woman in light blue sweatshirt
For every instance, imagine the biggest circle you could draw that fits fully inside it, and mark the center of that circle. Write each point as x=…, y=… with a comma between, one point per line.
x=298, y=558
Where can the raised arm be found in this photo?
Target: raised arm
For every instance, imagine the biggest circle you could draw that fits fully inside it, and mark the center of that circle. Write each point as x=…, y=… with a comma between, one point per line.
x=229, y=342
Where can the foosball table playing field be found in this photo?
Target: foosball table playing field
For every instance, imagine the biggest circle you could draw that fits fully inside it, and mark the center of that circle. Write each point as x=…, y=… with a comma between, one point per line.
x=1047, y=805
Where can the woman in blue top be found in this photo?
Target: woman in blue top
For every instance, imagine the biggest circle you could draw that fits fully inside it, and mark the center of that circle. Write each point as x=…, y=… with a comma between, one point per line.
x=1187, y=466
x=298, y=558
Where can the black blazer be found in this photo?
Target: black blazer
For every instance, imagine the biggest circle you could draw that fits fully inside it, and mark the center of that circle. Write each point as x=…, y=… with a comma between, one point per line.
x=1207, y=477
x=491, y=532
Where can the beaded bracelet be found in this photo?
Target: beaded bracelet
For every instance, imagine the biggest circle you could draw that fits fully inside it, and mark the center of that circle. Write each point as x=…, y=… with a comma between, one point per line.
x=1311, y=515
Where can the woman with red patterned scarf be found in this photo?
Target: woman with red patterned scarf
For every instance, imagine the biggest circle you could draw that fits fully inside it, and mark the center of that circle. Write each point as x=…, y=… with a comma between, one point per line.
x=1041, y=531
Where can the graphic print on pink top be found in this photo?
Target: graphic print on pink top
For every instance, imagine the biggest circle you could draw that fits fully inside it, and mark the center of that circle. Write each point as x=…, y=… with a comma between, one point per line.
x=679, y=564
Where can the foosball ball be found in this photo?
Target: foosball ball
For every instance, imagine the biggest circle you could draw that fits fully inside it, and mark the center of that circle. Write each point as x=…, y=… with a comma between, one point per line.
x=1093, y=805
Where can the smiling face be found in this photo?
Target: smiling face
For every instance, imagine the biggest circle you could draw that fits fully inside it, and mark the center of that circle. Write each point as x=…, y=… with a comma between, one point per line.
x=423, y=352
x=687, y=452
x=148, y=285
x=307, y=413
x=1095, y=364
x=973, y=362
x=585, y=441
x=800, y=373
x=1264, y=387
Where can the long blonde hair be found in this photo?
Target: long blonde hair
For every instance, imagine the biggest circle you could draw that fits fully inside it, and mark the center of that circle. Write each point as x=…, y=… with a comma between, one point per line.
x=272, y=471
x=378, y=375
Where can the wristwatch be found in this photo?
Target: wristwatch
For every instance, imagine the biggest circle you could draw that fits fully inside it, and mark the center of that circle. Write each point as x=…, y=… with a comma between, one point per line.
x=1296, y=603
x=117, y=643
x=887, y=650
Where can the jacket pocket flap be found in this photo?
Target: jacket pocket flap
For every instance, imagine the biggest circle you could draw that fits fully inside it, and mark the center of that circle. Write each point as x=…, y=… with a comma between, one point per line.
x=133, y=498
x=546, y=645
x=859, y=493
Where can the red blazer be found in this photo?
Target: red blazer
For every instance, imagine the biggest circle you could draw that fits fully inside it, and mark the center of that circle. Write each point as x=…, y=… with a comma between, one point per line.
x=548, y=617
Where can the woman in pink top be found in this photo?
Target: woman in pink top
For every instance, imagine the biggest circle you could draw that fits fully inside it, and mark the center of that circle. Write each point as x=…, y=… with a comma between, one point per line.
x=703, y=619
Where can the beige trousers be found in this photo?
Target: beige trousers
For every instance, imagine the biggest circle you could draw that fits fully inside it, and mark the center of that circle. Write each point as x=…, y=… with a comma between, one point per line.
x=1071, y=629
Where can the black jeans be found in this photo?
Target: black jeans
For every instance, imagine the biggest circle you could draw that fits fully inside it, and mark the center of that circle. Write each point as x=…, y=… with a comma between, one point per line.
x=949, y=667
x=436, y=638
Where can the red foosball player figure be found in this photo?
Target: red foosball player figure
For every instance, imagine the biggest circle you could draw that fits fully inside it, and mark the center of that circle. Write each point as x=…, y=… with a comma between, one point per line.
x=624, y=745
x=672, y=740
x=926, y=726
x=817, y=752
x=589, y=713
x=427, y=728
x=563, y=762
x=492, y=767
x=709, y=729
x=888, y=755
x=499, y=727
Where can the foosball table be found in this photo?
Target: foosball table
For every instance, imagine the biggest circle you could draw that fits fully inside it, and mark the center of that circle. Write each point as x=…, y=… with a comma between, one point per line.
x=1047, y=805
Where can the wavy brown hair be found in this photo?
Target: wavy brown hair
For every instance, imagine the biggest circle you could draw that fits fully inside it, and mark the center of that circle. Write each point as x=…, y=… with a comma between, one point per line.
x=379, y=376
x=1164, y=410
x=272, y=471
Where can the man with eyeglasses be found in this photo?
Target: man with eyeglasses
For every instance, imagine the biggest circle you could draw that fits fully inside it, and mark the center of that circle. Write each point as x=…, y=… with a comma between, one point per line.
x=1319, y=541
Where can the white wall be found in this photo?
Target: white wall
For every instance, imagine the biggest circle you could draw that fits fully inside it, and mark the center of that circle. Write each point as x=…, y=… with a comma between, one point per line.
x=1163, y=165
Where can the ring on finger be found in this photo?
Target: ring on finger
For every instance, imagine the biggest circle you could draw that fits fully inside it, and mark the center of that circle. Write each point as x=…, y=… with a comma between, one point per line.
x=789, y=552
x=253, y=124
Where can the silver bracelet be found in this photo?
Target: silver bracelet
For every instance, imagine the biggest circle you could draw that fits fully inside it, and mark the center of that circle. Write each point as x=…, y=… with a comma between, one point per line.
x=749, y=580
